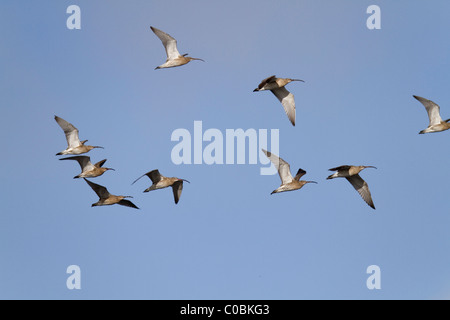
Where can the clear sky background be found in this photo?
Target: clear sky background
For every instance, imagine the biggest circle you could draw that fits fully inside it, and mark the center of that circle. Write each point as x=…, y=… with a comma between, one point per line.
x=228, y=238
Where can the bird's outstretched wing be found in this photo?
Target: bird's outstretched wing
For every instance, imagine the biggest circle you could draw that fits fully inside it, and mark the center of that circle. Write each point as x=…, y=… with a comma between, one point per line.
x=300, y=174
x=154, y=175
x=287, y=100
x=170, y=44
x=284, y=169
x=433, y=110
x=362, y=187
x=100, y=163
x=83, y=161
x=127, y=203
x=177, y=188
x=339, y=168
x=101, y=191
x=70, y=131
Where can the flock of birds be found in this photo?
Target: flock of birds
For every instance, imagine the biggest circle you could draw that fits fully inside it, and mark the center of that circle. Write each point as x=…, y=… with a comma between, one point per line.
x=288, y=182
x=89, y=170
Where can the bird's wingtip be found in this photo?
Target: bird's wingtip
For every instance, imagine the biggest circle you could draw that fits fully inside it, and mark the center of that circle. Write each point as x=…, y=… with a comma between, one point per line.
x=420, y=99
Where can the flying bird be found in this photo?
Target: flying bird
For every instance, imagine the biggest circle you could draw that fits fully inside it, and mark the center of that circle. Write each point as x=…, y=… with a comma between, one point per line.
x=288, y=183
x=436, y=122
x=277, y=86
x=88, y=169
x=351, y=173
x=174, y=58
x=75, y=146
x=161, y=182
x=107, y=199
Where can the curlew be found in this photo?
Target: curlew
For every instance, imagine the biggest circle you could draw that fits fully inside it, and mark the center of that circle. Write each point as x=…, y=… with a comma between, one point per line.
x=75, y=146
x=174, y=58
x=436, y=122
x=288, y=183
x=89, y=170
x=277, y=86
x=351, y=173
x=161, y=182
x=107, y=199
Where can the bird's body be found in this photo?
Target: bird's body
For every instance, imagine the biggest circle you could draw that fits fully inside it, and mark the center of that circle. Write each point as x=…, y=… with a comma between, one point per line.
x=174, y=58
x=88, y=169
x=161, y=182
x=75, y=146
x=176, y=62
x=351, y=173
x=277, y=87
x=288, y=182
x=107, y=199
x=436, y=122
x=291, y=186
x=273, y=83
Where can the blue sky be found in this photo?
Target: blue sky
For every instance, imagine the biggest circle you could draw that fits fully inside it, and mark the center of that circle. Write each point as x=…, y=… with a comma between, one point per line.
x=228, y=238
